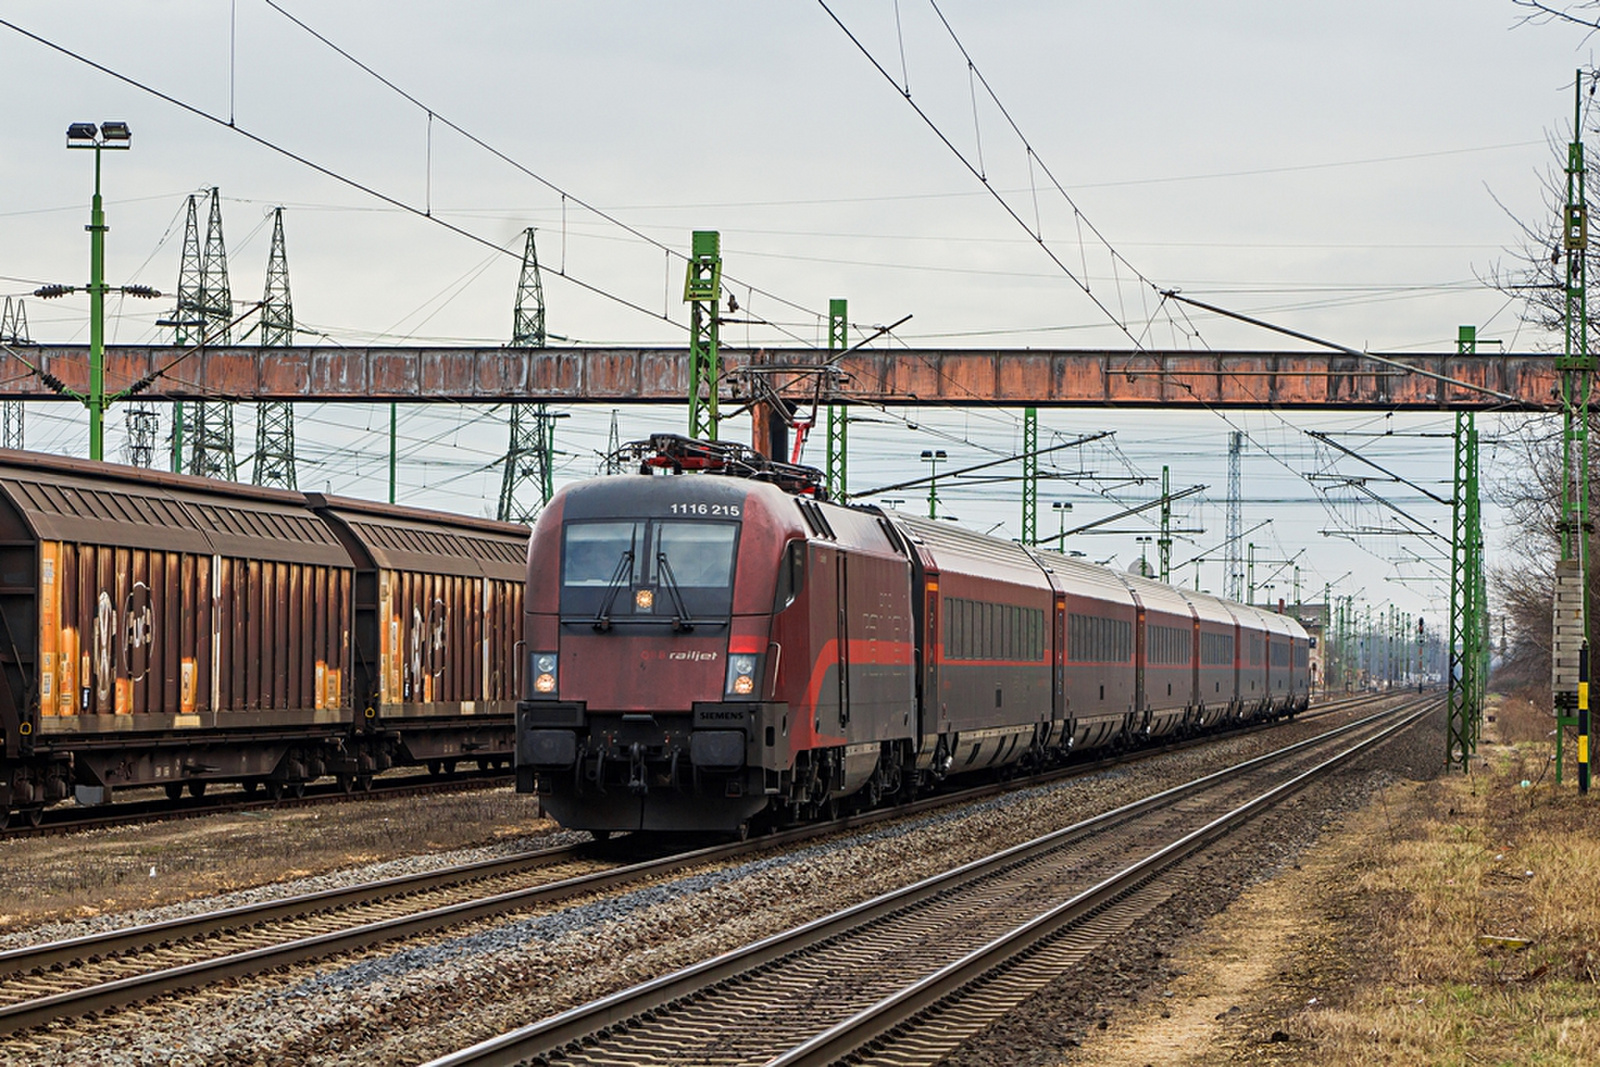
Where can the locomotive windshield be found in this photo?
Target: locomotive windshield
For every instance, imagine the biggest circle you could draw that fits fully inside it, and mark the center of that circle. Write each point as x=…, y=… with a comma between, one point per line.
x=663, y=569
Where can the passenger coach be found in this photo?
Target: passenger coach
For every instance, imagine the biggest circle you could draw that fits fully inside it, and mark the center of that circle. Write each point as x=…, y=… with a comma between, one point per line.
x=705, y=649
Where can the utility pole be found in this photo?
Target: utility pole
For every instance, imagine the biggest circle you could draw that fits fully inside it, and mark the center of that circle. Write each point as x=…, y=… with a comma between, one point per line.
x=838, y=430
x=1234, y=584
x=1251, y=573
x=702, y=291
x=529, y=456
x=274, y=463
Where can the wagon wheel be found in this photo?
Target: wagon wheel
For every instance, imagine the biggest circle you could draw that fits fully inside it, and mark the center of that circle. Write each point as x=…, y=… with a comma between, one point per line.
x=174, y=790
x=364, y=782
x=435, y=768
x=297, y=789
x=275, y=789
x=5, y=818
x=250, y=785
x=33, y=817
x=347, y=783
x=197, y=789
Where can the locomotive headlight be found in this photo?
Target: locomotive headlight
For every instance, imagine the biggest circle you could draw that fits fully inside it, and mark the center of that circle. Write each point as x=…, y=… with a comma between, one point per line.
x=743, y=671
x=544, y=673
x=644, y=599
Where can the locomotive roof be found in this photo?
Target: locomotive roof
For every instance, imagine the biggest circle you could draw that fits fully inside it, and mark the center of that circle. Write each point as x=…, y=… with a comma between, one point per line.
x=647, y=495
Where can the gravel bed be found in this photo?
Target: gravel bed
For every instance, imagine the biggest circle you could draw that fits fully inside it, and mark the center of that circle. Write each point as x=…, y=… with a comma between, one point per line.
x=413, y=1000
x=1064, y=1016
x=58, y=931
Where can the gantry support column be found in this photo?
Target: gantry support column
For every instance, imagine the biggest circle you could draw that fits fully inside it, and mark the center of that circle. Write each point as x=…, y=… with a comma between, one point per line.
x=702, y=291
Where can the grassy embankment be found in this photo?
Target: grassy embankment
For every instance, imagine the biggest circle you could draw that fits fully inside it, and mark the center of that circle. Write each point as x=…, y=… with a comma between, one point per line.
x=1480, y=915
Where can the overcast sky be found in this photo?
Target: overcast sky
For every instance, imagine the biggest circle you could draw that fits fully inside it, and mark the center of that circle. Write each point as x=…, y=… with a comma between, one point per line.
x=1345, y=169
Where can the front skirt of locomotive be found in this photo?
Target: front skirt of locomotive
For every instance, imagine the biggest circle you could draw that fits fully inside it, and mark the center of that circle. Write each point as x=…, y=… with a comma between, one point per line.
x=710, y=768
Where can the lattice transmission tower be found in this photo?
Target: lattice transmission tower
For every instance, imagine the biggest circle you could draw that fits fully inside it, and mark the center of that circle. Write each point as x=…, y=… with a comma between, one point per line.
x=13, y=331
x=274, y=459
x=188, y=327
x=202, y=432
x=529, y=463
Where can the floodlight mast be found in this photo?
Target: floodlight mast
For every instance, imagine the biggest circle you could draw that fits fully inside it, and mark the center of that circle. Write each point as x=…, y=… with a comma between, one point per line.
x=109, y=135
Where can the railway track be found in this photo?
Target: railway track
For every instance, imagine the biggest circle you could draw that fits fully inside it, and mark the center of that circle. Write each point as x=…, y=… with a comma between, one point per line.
x=45, y=983
x=907, y=976
x=70, y=819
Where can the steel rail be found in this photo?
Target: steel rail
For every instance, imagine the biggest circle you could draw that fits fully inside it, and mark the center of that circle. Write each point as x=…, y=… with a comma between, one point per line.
x=131, y=939
x=54, y=954
x=900, y=1007
x=60, y=820
x=579, y=1023
x=100, y=996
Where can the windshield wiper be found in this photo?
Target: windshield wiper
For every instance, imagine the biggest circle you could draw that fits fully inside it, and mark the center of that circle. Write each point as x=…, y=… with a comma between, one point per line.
x=602, y=618
x=681, y=620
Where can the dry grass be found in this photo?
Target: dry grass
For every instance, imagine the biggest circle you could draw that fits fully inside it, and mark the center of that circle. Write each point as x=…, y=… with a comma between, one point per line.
x=43, y=878
x=1487, y=857
x=1520, y=719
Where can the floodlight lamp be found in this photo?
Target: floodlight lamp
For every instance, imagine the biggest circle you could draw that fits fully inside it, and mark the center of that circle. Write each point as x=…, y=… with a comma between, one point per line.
x=927, y=454
x=81, y=135
x=115, y=131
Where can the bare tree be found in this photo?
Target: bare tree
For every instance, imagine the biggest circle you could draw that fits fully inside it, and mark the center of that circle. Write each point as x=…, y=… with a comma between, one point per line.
x=1585, y=13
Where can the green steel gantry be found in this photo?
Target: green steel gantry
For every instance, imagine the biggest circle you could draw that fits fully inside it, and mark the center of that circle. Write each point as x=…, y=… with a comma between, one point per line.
x=838, y=431
x=702, y=291
x=1468, y=667
x=1030, y=476
x=1164, y=542
x=1571, y=609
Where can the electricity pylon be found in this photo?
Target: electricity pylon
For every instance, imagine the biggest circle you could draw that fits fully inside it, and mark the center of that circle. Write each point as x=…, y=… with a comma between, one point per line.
x=530, y=454
x=13, y=331
x=188, y=324
x=275, y=419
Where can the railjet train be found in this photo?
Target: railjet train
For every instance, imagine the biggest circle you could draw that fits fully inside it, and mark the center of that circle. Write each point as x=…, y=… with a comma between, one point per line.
x=706, y=652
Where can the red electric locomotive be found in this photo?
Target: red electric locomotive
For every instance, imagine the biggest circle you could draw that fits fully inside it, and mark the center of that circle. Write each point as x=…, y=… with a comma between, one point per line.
x=705, y=650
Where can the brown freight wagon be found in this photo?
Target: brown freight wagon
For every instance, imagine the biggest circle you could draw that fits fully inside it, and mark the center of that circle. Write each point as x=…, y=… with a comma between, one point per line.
x=157, y=629
x=438, y=649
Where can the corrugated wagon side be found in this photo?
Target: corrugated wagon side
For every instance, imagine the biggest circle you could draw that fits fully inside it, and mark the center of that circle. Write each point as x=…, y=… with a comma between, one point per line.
x=438, y=646
x=163, y=630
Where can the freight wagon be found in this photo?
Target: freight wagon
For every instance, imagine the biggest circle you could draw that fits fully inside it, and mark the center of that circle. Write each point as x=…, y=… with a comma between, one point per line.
x=164, y=630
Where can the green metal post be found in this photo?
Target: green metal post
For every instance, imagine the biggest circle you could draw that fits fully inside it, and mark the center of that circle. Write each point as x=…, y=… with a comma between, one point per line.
x=702, y=291
x=1571, y=616
x=394, y=420
x=838, y=414
x=1030, y=476
x=1465, y=662
x=97, y=320
x=1164, y=542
